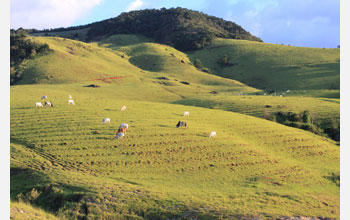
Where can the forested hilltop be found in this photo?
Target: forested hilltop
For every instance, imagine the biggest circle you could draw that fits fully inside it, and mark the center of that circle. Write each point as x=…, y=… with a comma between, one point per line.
x=182, y=28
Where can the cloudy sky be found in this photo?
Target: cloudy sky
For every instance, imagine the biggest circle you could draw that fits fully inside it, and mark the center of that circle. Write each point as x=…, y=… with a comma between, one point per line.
x=310, y=23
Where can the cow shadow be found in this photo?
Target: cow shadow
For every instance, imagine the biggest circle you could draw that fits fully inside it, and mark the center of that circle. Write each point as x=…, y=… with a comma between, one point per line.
x=202, y=135
x=177, y=114
x=126, y=181
x=166, y=126
x=105, y=138
x=23, y=108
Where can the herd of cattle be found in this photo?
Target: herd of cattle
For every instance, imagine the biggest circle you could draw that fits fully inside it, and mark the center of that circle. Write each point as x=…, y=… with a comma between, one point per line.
x=123, y=127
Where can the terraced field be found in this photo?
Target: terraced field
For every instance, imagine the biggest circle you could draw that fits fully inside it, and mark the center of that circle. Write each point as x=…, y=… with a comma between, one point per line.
x=324, y=111
x=253, y=168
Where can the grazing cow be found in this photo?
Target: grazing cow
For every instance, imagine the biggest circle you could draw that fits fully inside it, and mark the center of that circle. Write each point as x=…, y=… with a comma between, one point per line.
x=181, y=124
x=212, y=134
x=124, y=125
x=123, y=108
x=48, y=104
x=119, y=135
x=71, y=102
x=288, y=90
x=43, y=97
x=38, y=105
x=123, y=130
x=106, y=120
x=69, y=96
x=186, y=113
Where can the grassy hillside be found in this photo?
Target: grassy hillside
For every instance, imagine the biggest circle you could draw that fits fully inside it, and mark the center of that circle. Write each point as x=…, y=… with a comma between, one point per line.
x=23, y=211
x=273, y=67
x=160, y=71
x=253, y=168
x=163, y=59
x=74, y=61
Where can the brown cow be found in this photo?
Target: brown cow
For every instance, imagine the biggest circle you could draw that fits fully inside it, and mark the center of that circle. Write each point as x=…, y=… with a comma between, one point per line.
x=122, y=129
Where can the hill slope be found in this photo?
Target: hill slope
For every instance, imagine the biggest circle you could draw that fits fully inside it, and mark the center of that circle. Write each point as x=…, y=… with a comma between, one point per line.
x=163, y=74
x=273, y=67
x=253, y=168
x=184, y=29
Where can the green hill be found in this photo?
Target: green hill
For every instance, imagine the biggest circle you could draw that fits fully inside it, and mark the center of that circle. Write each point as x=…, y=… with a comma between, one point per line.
x=163, y=74
x=253, y=168
x=273, y=67
x=182, y=28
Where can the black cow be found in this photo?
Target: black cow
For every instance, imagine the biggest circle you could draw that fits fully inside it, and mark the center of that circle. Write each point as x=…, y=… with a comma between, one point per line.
x=181, y=124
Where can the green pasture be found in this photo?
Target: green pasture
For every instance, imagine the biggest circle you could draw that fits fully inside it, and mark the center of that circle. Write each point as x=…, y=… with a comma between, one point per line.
x=65, y=162
x=253, y=168
x=273, y=67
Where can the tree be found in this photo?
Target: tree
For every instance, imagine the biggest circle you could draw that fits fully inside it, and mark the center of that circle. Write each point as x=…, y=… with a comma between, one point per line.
x=197, y=63
x=224, y=61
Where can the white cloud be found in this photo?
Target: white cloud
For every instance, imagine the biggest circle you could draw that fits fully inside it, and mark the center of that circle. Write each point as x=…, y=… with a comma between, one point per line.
x=137, y=4
x=48, y=13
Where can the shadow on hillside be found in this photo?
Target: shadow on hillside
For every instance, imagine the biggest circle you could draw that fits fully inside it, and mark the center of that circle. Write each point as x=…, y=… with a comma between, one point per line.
x=126, y=181
x=36, y=188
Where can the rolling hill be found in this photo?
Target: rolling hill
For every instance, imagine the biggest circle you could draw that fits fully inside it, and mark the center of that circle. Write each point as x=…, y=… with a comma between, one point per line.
x=253, y=168
x=66, y=164
x=127, y=64
x=179, y=27
x=274, y=67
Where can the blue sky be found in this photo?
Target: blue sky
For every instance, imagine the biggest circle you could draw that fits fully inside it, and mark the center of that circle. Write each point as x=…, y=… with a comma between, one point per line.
x=310, y=23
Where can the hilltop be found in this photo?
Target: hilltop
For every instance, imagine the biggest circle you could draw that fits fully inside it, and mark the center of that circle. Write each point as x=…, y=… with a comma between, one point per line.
x=181, y=28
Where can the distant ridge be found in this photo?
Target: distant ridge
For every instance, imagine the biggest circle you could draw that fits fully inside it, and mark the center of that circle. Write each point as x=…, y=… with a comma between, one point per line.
x=181, y=28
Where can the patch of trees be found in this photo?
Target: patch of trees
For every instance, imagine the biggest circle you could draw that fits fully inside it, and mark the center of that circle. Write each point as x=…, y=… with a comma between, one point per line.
x=198, y=64
x=182, y=28
x=306, y=121
x=224, y=62
x=21, y=49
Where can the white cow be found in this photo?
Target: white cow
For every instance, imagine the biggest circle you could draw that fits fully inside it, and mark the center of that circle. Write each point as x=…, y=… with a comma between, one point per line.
x=288, y=90
x=38, y=105
x=106, y=120
x=71, y=102
x=123, y=108
x=43, y=97
x=70, y=96
x=186, y=113
x=212, y=134
x=49, y=104
x=119, y=135
x=124, y=125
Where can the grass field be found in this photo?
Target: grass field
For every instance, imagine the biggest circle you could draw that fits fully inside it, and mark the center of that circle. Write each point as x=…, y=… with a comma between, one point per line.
x=66, y=164
x=23, y=211
x=274, y=67
x=252, y=168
